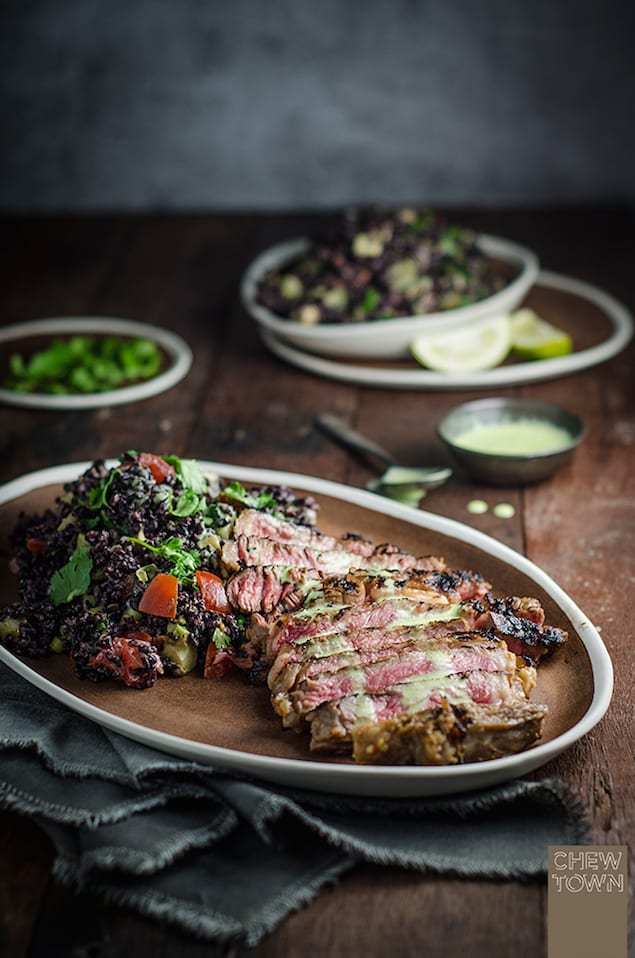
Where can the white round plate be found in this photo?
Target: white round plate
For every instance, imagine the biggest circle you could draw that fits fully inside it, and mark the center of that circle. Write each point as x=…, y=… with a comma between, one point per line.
x=109, y=702
x=389, y=338
x=508, y=375
x=178, y=352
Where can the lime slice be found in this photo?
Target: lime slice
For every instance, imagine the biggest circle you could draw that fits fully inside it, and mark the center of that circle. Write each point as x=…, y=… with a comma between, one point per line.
x=535, y=338
x=480, y=345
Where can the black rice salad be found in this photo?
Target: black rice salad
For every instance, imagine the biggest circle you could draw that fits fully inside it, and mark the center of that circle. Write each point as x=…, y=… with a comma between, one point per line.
x=123, y=575
x=379, y=265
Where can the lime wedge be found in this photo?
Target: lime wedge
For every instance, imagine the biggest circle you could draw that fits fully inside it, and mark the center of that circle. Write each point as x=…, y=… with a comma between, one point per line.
x=535, y=338
x=480, y=345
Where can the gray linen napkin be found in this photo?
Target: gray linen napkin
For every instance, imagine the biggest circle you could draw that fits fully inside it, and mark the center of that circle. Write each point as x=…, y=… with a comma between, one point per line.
x=228, y=858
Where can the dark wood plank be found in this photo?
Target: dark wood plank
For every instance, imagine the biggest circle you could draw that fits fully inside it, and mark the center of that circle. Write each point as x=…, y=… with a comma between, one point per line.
x=25, y=862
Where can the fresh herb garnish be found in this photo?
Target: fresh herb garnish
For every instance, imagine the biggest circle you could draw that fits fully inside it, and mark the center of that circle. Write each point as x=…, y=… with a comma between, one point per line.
x=97, y=496
x=190, y=473
x=187, y=504
x=371, y=300
x=84, y=364
x=183, y=562
x=73, y=578
x=220, y=639
x=238, y=493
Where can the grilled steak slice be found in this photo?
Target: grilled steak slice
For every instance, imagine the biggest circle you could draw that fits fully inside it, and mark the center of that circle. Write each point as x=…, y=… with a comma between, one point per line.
x=519, y=621
x=249, y=551
x=283, y=588
x=373, y=672
x=271, y=635
x=332, y=723
x=449, y=735
x=251, y=522
x=300, y=658
x=265, y=588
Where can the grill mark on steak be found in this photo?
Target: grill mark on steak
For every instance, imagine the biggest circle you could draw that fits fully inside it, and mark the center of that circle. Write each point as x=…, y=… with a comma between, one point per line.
x=519, y=621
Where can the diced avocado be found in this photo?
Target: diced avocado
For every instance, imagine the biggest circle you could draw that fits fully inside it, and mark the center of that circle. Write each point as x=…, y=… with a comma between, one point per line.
x=402, y=274
x=10, y=627
x=291, y=286
x=335, y=298
x=310, y=314
x=180, y=649
x=56, y=644
x=452, y=300
x=368, y=244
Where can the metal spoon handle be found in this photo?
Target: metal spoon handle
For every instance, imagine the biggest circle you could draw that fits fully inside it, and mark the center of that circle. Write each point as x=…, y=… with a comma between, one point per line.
x=349, y=437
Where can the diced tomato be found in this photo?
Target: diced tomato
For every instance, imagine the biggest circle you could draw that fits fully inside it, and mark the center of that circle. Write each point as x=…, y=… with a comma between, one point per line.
x=160, y=596
x=36, y=545
x=137, y=634
x=213, y=592
x=159, y=468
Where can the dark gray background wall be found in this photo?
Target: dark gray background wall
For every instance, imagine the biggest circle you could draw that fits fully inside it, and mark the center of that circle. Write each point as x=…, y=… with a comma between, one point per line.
x=282, y=104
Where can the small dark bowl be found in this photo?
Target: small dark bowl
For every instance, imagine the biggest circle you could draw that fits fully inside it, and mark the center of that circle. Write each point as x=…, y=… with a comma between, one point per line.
x=513, y=469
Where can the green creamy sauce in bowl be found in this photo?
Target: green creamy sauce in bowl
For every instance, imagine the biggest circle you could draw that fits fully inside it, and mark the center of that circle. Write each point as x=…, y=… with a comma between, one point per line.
x=510, y=441
x=521, y=437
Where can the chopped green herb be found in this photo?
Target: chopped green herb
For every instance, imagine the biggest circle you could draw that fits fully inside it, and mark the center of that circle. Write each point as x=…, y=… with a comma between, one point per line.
x=73, y=578
x=97, y=497
x=190, y=473
x=84, y=364
x=238, y=493
x=372, y=299
x=183, y=562
x=220, y=639
x=187, y=504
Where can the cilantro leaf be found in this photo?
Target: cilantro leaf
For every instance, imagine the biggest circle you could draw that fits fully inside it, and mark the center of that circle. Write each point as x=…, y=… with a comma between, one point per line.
x=73, y=578
x=183, y=562
x=220, y=639
x=97, y=497
x=190, y=473
x=238, y=493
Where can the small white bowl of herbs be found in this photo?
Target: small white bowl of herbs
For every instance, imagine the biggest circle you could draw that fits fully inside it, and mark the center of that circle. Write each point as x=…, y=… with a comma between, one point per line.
x=87, y=362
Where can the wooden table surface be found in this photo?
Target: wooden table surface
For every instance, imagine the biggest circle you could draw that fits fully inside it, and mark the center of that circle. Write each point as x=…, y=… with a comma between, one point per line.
x=242, y=405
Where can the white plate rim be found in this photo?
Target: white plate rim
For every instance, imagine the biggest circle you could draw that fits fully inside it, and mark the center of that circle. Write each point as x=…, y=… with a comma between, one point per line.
x=395, y=781
x=174, y=345
x=403, y=329
x=518, y=374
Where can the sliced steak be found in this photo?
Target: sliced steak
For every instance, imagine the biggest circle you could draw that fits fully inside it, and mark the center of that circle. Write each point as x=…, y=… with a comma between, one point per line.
x=373, y=672
x=270, y=635
x=269, y=588
x=449, y=735
x=251, y=522
x=333, y=722
x=265, y=588
x=246, y=551
x=294, y=659
x=519, y=621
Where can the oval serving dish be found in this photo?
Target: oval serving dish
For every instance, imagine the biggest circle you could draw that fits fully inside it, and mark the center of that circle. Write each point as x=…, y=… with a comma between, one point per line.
x=389, y=338
x=177, y=359
x=230, y=724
